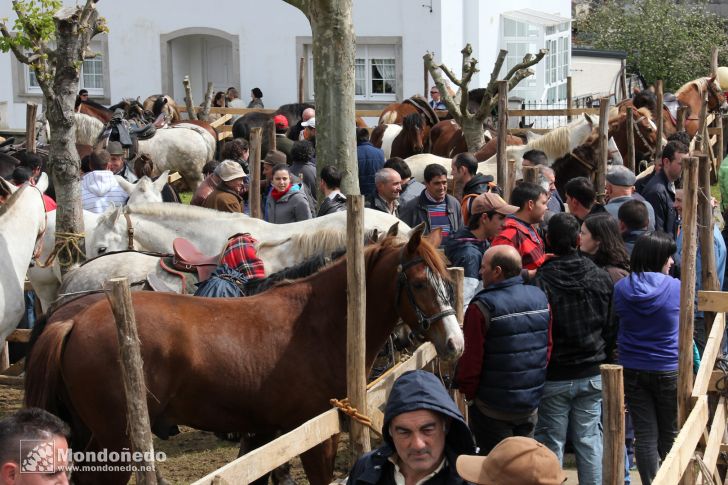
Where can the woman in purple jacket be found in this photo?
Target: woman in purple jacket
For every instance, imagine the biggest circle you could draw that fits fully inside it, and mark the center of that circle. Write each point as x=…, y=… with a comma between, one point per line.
x=647, y=303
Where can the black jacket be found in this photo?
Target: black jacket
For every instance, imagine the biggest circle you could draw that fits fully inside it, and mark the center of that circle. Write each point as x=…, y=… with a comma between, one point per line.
x=332, y=204
x=477, y=185
x=662, y=200
x=413, y=391
x=583, y=330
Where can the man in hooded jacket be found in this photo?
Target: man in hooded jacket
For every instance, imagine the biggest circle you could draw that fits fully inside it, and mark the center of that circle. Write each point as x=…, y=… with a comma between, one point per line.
x=423, y=433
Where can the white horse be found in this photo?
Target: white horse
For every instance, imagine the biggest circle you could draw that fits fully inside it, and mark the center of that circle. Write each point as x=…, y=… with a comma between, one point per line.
x=280, y=245
x=46, y=281
x=145, y=190
x=390, y=133
x=22, y=223
x=183, y=147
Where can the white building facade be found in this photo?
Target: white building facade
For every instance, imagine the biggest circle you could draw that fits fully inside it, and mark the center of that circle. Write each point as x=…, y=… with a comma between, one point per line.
x=152, y=45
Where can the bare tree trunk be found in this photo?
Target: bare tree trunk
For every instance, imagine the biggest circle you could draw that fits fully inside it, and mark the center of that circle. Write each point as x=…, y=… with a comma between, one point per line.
x=204, y=113
x=334, y=47
x=473, y=132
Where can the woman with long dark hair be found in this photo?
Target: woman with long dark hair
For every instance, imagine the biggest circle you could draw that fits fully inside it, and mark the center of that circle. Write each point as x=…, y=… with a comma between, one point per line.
x=647, y=303
x=600, y=240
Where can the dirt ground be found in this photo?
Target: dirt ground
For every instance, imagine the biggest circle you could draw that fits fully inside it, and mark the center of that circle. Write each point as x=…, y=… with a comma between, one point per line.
x=190, y=455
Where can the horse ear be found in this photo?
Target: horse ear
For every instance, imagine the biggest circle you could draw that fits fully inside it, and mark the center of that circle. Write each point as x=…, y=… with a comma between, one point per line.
x=588, y=119
x=415, y=238
x=393, y=230
x=125, y=184
x=161, y=181
x=42, y=183
x=111, y=215
x=635, y=90
x=435, y=237
x=373, y=237
x=712, y=78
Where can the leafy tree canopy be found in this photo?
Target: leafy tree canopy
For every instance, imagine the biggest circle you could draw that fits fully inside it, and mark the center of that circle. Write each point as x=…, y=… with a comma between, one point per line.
x=663, y=39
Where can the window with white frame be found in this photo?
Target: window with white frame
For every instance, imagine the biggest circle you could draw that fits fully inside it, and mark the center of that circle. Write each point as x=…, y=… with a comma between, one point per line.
x=376, y=71
x=91, y=77
x=519, y=38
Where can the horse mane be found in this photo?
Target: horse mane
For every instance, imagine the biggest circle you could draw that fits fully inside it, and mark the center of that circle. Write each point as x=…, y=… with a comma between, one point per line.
x=163, y=210
x=87, y=127
x=699, y=84
x=159, y=104
x=288, y=275
x=554, y=143
x=429, y=254
x=313, y=244
x=412, y=122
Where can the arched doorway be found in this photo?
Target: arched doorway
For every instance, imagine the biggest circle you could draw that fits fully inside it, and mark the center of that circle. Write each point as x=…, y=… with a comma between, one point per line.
x=203, y=54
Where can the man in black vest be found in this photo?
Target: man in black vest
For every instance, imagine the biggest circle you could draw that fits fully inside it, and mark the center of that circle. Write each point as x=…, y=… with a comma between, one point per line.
x=507, y=345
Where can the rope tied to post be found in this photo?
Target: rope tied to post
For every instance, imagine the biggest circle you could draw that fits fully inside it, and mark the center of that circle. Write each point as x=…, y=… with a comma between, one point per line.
x=66, y=248
x=345, y=406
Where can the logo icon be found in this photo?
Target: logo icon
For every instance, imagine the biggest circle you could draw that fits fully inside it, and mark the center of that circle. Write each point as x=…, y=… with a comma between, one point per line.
x=37, y=456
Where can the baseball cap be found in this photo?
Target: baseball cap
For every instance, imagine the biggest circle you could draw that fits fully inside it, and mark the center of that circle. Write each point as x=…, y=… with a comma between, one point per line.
x=229, y=170
x=280, y=121
x=489, y=202
x=114, y=148
x=310, y=123
x=514, y=461
x=621, y=175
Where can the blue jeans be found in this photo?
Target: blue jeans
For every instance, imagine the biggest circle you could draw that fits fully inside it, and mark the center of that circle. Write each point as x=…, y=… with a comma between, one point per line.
x=574, y=405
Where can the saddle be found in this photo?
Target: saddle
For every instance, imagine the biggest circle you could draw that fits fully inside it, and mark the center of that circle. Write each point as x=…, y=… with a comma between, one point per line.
x=423, y=107
x=144, y=132
x=190, y=259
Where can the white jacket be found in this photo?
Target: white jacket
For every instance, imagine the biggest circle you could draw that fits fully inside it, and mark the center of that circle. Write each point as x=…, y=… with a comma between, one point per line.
x=100, y=190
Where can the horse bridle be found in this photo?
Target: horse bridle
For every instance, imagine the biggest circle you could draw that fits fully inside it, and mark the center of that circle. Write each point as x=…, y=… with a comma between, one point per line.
x=635, y=127
x=423, y=322
x=129, y=232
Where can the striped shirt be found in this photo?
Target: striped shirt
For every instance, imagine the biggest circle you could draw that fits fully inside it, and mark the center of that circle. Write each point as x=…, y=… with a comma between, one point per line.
x=437, y=212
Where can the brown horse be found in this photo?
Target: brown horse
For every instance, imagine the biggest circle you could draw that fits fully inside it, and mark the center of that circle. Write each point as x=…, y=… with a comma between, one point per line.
x=161, y=103
x=410, y=140
x=96, y=110
x=583, y=160
x=257, y=364
x=447, y=140
x=689, y=95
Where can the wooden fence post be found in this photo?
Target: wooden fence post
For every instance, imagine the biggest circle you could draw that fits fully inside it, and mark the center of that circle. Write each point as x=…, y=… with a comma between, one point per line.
x=191, y=113
x=603, y=156
x=660, y=115
x=682, y=113
x=356, y=383
x=687, y=289
x=569, y=97
x=256, y=139
x=623, y=79
x=613, y=404
x=272, y=142
x=720, y=153
x=708, y=273
x=510, y=179
x=458, y=281
x=301, y=67
x=631, y=157
x=502, y=132
x=132, y=375
x=531, y=174
x=31, y=109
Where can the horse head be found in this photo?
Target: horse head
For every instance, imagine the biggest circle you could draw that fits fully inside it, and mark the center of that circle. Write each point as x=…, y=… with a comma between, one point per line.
x=110, y=233
x=145, y=190
x=413, y=130
x=424, y=298
x=716, y=97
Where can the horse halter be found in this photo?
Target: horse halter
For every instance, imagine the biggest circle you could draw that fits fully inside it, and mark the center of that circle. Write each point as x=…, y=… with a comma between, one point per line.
x=129, y=232
x=403, y=283
x=636, y=128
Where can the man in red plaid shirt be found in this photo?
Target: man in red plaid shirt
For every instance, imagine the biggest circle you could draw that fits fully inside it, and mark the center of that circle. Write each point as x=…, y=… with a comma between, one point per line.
x=518, y=230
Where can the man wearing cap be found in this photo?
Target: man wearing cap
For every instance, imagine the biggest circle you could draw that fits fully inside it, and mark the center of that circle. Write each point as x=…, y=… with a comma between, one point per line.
x=620, y=189
x=507, y=343
x=514, y=461
x=118, y=165
x=283, y=143
x=309, y=130
x=423, y=434
x=226, y=196
x=466, y=247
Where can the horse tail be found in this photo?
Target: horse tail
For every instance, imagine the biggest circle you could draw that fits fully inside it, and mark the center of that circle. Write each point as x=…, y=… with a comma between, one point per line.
x=43, y=365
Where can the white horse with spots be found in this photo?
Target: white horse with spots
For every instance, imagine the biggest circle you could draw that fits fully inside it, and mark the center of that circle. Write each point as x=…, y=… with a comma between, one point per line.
x=279, y=245
x=390, y=133
x=184, y=147
x=22, y=223
x=555, y=144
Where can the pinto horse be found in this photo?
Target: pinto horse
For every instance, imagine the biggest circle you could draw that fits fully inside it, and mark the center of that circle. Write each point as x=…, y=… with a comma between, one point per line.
x=447, y=140
x=689, y=95
x=402, y=141
x=259, y=364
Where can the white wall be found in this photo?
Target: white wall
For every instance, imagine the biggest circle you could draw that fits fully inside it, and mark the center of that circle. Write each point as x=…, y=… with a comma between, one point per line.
x=593, y=75
x=267, y=40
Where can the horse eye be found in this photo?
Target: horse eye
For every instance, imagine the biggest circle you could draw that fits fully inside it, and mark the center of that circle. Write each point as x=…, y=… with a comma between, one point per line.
x=419, y=286
x=102, y=250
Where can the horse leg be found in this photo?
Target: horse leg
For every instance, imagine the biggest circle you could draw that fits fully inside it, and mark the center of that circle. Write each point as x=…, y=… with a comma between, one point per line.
x=318, y=462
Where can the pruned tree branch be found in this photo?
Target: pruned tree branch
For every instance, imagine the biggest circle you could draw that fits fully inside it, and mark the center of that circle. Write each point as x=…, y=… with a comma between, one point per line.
x=497, y=66
x=519, y=76
x=302, y=5
x=22, y=58
x=23, y=19
x=434, y=70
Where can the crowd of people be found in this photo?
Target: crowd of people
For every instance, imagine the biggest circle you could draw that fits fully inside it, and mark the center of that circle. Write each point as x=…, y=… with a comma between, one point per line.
x=554, y=287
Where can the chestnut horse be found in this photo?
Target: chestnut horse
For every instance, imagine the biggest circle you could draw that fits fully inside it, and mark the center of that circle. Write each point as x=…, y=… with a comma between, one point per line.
x=257, y=364
x=407, y=140
x=96, y=110
x=447, y=140
x=690, y=95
